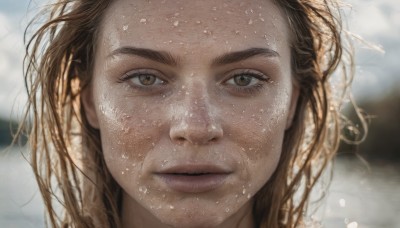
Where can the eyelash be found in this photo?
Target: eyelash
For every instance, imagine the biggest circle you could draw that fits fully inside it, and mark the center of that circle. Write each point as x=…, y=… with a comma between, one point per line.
x=252, y=88
x=248, y=89
x=137, y=73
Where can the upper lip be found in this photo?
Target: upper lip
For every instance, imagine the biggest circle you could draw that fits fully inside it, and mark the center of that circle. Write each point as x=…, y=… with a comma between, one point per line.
x=193, y=169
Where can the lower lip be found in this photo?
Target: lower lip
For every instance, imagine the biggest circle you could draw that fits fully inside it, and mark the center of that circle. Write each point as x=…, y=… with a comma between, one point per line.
x=193, y=184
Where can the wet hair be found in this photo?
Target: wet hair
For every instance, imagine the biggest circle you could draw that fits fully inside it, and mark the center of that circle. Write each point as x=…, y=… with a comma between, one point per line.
x=66, y=153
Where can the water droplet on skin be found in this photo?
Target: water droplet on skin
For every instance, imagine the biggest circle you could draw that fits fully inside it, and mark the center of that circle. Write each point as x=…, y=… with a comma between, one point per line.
x=125, y=27
x=263, y=130
x=171, y=207
x=217, y=202
x=227, y=210
x=214, y=8
x=244, y=191
x=176, y=23
x=237, y=32
x=123, y=172
x=164, y=162
x=143, y=189
x=250, y=22
x=176, y=14
x=198, y=22
x=143, y=20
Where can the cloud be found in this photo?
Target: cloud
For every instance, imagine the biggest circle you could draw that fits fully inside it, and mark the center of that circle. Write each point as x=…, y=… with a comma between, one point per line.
x=373, y=19
x=11, y=78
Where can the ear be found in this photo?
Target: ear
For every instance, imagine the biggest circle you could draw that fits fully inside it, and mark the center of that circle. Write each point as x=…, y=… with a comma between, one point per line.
x=89, y=106
x=293, y=105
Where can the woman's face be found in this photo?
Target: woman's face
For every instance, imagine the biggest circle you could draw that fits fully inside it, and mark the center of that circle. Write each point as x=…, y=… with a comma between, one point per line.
x=192, y=100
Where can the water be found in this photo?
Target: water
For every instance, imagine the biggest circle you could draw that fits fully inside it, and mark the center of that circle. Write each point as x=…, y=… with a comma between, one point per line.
x=20, y=200
x=358, y=198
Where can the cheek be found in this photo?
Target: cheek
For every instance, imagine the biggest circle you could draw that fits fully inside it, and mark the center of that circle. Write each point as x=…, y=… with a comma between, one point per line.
x=129, y=132
x=258, y=130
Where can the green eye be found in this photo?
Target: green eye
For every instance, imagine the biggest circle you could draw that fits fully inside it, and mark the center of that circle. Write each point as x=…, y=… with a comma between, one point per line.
x=147, y=79
x=243, y=80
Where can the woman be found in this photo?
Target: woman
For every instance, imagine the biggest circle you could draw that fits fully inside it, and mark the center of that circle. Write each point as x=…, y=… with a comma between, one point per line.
x=183, y=113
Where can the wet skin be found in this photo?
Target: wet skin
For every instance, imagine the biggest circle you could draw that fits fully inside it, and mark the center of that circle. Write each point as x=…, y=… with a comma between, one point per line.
x=192, y=100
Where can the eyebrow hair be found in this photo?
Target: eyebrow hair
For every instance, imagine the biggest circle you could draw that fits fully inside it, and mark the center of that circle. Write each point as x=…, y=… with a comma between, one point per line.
x=167, y=58
x=157, y=56
x=237, y=56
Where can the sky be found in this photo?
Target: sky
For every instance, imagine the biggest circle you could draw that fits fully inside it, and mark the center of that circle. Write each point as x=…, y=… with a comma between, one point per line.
x=377, y=22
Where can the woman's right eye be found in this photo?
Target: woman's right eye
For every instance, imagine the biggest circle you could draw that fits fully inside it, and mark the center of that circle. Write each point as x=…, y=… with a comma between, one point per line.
x=143, y=79
x=146, y=80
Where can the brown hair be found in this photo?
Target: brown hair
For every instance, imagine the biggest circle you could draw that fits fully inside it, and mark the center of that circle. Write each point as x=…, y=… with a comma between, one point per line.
x=66, y=154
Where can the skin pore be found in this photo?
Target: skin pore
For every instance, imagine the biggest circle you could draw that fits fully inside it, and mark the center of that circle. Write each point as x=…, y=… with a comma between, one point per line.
x=192, y=100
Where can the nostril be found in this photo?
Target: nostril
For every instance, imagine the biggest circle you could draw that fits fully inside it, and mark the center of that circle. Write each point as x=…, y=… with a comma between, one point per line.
x=180, y=139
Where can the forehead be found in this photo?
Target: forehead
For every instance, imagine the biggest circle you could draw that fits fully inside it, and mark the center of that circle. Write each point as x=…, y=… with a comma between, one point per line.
x=169, y=24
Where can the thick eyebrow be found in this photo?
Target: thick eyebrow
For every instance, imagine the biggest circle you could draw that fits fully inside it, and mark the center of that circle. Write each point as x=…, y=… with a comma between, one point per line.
x=157, y=56
x=237, y=56
x=167, y=58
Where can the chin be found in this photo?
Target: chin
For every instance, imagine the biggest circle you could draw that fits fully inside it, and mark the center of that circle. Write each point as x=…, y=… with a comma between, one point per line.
x=192, y=219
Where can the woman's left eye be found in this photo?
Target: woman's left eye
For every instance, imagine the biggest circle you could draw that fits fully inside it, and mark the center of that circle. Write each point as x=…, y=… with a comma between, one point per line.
x=247, y=79
x=243, y=80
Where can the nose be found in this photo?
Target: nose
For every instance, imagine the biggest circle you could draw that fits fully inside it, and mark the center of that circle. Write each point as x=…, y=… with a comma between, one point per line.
x=195, y=121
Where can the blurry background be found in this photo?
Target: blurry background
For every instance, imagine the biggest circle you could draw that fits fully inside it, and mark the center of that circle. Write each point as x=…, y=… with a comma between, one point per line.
x=365, y=191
